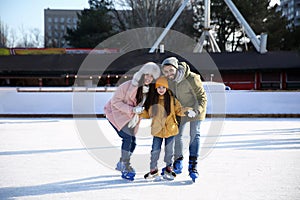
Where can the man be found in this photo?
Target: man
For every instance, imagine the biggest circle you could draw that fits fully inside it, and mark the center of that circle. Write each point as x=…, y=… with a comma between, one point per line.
x=187, y=87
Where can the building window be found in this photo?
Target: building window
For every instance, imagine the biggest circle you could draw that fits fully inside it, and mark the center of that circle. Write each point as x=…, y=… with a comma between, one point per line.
x=55, y=19
x=270, y=80
x=62, y=20
x=49, y=19
x=293, y=80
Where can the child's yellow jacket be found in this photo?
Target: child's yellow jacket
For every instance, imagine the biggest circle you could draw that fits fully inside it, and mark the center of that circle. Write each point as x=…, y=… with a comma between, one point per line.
x=165, y=126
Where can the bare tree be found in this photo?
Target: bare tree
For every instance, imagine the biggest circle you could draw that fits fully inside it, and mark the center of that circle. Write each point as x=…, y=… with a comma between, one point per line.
x=131, y=14
x=12, y=38
x=22, y=38
x=3, y=35
x=146, y=13
x=30, y=38
x=36, y=37
x=25, y=37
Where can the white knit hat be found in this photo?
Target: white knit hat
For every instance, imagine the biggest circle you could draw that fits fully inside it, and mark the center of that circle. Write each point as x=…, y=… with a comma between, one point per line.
x=148, y=68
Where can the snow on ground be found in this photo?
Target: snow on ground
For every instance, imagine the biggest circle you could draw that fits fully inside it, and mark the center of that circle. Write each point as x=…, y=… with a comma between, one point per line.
x=253, y=159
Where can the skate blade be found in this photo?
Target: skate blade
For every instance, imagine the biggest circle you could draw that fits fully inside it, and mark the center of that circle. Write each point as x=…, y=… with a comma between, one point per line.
x=179, y=171
x=193, y=177
x=168, y=177
x=153, y=178
x=128, y=178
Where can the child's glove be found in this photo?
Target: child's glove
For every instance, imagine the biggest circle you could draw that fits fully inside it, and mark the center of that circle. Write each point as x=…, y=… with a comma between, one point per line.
x=138, y=109
x=191, y=113
x=133, y=122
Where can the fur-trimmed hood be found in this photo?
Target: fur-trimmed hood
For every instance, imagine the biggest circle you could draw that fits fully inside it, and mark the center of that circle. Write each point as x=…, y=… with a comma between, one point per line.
x=148, y=68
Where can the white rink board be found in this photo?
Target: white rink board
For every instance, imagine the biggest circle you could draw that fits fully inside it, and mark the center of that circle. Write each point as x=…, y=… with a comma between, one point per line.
x=59, y=102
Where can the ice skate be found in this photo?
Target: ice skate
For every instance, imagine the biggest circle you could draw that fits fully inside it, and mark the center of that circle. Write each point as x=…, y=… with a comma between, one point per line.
x=128, y=173
x=193, y=173
x=168, y=173
x=120, y=166
x=177, y=165
x=153, y=174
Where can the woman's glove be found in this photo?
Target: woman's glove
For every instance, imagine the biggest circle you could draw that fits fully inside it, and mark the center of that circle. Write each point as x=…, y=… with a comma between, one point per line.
x=133, y=122
x=138, y=109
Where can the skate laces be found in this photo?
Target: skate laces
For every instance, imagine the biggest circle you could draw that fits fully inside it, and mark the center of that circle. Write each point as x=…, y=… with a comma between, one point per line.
x=168, y=173
x=154, y=171
x=178, y=161
x=169, y=169
x=192, y=166
x=128, y=168
x=120, y=166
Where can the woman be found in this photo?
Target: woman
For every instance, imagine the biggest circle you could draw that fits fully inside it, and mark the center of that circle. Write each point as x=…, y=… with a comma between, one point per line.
x=122, y=112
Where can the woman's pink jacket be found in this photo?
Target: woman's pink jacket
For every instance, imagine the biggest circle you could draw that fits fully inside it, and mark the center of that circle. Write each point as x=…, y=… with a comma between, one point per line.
x=118, y=109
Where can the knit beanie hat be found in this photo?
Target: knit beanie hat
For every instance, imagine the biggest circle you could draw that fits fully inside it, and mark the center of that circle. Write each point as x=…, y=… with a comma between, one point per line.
x=161, y=81
x=170, y=61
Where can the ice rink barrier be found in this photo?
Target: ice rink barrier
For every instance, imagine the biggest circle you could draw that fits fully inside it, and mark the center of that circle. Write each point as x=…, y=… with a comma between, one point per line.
x=58, y=101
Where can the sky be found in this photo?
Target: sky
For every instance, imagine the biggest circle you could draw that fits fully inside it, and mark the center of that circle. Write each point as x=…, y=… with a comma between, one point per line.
x=29, y=14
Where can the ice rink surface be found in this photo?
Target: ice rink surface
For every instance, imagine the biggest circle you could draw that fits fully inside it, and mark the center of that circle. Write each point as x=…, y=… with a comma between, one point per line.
x=253, y=159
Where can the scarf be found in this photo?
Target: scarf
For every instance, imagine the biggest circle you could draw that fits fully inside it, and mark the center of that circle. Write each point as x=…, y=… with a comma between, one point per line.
x=179, y=74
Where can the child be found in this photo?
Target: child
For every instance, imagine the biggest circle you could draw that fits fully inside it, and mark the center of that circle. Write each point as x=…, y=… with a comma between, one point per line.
x=163, y=110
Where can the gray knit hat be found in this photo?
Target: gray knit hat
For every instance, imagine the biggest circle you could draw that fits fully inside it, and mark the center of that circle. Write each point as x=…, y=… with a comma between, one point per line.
x=170, y=61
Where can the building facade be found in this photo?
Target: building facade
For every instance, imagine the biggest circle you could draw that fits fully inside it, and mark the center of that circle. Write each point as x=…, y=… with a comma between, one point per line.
x=56, y=22
x=237, y=70
x=291, y=9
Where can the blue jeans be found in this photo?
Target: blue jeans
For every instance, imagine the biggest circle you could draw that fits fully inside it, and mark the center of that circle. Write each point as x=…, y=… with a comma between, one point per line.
x=156, y=148
x=128, y=141
x=194, y=144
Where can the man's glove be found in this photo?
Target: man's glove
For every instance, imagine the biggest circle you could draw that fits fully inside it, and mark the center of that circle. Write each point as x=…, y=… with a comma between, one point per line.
x=133, y=122
x=138, y=109
x=145, y=89
x=191, y=113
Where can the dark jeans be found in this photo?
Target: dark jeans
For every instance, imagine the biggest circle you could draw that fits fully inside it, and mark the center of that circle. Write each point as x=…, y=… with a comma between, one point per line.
x=128, y=140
